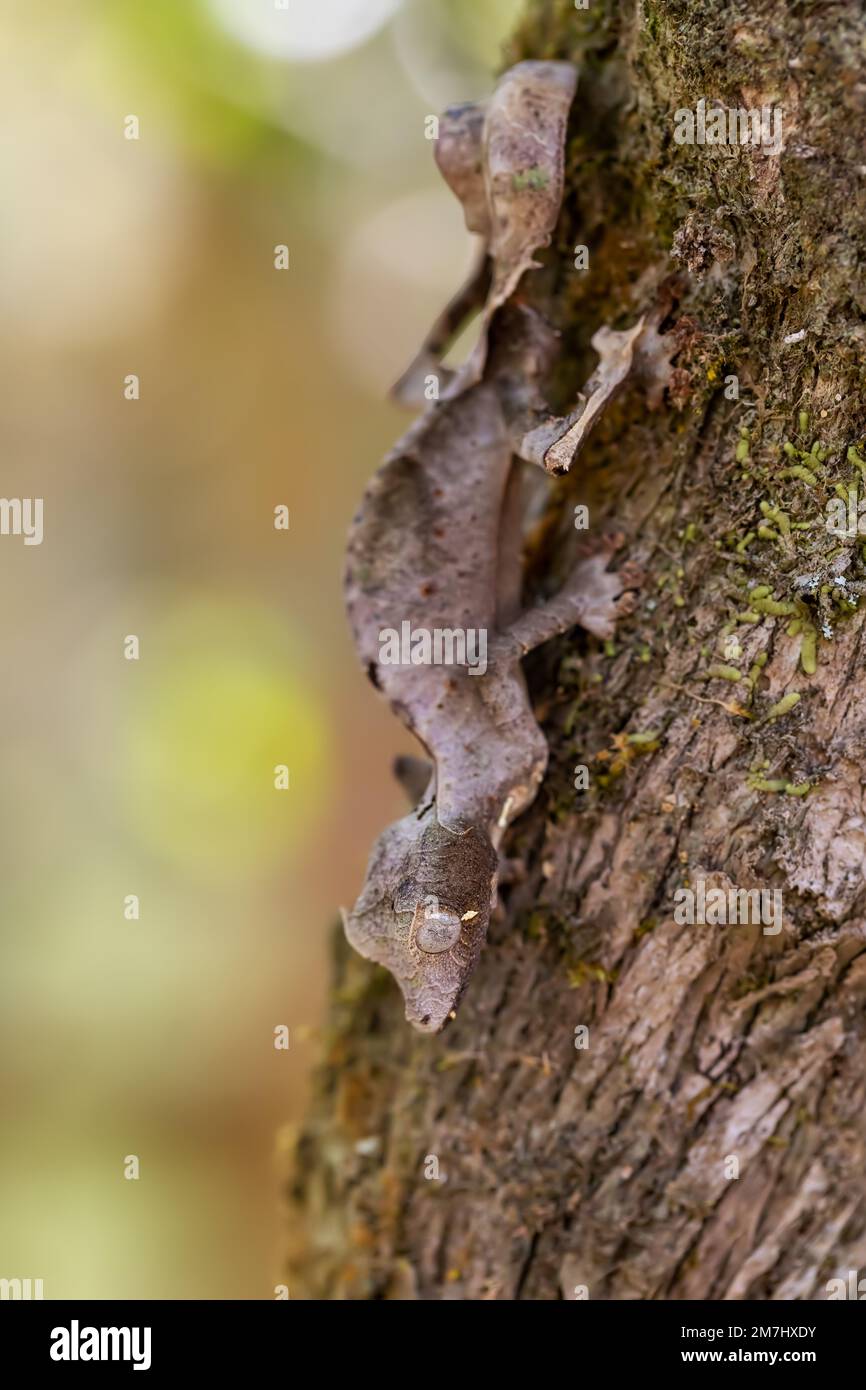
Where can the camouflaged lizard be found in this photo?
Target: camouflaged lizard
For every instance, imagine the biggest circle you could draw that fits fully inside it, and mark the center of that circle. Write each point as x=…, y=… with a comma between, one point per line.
x=436, y=545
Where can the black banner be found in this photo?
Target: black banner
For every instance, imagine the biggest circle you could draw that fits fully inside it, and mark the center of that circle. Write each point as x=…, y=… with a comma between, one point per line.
x=74, y=1338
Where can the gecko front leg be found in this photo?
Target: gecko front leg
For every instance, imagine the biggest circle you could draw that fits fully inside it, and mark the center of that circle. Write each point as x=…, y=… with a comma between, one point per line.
x=411, y=388
x=593, y=597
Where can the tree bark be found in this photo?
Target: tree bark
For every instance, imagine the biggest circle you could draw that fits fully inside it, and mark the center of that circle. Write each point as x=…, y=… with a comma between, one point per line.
x=709, y=1141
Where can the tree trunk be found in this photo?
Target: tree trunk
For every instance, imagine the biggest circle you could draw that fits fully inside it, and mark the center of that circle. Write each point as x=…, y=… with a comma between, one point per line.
x=704, y=1138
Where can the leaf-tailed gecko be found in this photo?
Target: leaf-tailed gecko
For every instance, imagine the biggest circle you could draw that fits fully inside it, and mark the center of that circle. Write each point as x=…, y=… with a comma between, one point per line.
x=434, y=553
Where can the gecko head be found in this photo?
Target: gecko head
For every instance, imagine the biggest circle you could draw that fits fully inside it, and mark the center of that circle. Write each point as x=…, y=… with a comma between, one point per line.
x=424, y=910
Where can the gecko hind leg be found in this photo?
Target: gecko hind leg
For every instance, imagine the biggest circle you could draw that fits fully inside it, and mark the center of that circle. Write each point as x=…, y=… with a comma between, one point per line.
x=411, y=389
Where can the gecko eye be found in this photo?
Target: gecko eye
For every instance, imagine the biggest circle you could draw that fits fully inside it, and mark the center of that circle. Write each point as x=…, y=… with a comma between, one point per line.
x=437, y=928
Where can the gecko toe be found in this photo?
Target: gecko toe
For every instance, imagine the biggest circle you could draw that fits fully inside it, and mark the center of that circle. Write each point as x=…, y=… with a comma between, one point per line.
x=630, y=575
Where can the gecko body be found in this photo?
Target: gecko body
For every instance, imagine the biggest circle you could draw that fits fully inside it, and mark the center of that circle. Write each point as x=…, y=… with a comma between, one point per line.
x=435, y=550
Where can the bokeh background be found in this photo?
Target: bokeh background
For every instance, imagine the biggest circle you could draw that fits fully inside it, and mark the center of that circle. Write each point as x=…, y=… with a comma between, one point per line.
x=259, y=125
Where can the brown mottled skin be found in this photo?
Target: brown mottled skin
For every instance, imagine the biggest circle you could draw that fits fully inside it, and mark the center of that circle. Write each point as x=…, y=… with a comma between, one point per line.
x=436, y=542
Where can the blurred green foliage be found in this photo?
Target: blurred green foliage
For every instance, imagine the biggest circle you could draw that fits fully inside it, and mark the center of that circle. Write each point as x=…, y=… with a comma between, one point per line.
x=215, y=707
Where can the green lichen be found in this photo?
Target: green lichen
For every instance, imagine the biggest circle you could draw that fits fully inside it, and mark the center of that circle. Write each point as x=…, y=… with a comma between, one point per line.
x=785, y=705
x=800, y=471
x=854, y=458
x=774, y=608
x=529, y=178
x=809, y=651
x=766, y=784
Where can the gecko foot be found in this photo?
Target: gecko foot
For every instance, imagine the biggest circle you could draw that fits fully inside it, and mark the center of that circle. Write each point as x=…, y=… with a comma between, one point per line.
x=631, y=577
